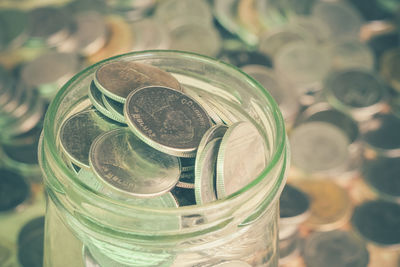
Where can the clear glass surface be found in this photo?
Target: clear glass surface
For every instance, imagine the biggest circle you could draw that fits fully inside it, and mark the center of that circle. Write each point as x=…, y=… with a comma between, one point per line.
x=242, y=226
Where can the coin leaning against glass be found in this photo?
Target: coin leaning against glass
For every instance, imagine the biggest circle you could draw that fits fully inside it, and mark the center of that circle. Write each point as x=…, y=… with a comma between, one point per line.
x=117, y=79
x=140, y=171
x=241, y=157
x=205, y=173
x=166, y=119
x=206, y=159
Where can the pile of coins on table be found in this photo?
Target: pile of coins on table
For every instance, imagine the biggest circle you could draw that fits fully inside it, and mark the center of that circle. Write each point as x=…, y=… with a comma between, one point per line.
x=334, y=77
x=332, y=66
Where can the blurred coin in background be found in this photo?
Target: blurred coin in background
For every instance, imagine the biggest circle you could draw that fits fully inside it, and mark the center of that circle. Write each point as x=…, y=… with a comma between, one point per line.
x=335, y=248
x=330, y=204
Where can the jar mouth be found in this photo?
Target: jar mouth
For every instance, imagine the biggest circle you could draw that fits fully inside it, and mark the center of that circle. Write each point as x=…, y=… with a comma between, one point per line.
x=48, y=146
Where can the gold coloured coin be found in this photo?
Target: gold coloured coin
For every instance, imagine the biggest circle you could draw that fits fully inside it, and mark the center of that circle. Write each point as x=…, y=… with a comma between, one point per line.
x=119, y=41
x=330, y=204
x=248, y=16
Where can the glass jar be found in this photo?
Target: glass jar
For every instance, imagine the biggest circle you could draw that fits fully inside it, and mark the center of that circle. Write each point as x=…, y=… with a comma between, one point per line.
x=83, y=225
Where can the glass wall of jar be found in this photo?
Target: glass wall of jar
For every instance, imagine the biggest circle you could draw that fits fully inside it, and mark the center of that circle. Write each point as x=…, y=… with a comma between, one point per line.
x=241, y=228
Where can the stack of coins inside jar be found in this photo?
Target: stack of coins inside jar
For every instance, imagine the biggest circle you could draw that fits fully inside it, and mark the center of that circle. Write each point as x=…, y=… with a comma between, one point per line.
x=331, y=66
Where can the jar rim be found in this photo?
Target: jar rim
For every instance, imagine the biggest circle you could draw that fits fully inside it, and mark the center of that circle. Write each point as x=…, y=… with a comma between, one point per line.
x=279, y=149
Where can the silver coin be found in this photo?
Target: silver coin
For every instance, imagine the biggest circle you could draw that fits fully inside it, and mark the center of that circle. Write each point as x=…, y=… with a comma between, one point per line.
x=326, y=113
x=341, y=18
x=236, y=112
x=90, y=179
x=287, y=101
x=302, y=66
x=140, y=171
x=348, y=54
x=88, y=34
x=23, y=103
x=224, y=115
x=173, y=12
x=117, y=79
x=28, y=120
x=205, y=173
x=229, y=111
x=273, y=41
x=96, y=99
x=319, y=147
x=150, y=34
x=78, y=132
x=116, y=108
x=359, y=93
x=216, y=131
x=313, y=27
x=202, y=100
x=335, y=248
x=50, y=68
x=14, y=99
x=196, y=38
x=166, y=119
x=241, y=158
x=132, y=10
x=50, y=25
